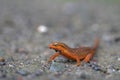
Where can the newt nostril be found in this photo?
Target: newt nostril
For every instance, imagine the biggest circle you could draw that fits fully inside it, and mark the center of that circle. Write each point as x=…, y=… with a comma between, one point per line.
x=50, y=46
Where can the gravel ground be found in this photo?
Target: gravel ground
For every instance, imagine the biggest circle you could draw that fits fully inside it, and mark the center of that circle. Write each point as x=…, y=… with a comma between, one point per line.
x=27, y=28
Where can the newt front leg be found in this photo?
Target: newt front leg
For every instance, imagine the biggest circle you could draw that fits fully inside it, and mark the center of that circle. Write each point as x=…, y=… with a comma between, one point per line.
x=53, y=56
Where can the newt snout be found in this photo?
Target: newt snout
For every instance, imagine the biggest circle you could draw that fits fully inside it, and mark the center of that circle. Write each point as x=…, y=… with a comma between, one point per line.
x=51, y=46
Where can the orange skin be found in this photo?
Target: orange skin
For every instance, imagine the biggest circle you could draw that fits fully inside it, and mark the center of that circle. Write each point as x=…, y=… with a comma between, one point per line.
x=78, y=54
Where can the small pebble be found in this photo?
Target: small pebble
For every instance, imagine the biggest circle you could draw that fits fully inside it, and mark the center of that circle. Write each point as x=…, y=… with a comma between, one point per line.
x=35, y=74
x=117, y=39
x=57, y=74
x=22, y=72
x=42, y=29
x=2, y=75
x=111, y=69
x=38, y=73
x=2, y=63
x=2, y=59
x=118, y=59
x=42, y=61
x=10, y=59
x=95, y=66
x=10, y=65
x=21, y=63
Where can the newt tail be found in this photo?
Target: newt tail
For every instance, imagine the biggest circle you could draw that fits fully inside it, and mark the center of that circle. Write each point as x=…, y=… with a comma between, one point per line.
x=96, y=44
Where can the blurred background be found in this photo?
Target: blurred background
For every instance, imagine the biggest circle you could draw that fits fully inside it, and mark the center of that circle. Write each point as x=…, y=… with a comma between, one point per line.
x=28, y=26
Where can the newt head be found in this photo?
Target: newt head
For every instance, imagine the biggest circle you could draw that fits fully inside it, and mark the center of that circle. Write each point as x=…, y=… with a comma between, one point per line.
x=58, y=46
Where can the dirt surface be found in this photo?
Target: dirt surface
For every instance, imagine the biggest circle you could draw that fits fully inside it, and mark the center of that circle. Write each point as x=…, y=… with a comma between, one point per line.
x=28, y=26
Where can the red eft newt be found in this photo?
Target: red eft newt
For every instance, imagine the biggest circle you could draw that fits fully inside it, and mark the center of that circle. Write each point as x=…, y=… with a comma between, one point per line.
x=78, y=54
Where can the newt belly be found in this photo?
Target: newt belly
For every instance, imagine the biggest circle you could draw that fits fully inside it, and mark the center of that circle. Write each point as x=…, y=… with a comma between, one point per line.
x=78, y=54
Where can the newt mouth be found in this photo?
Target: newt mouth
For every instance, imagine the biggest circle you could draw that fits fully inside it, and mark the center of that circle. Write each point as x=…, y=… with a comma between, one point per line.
x=52, y=47
x=56, y=51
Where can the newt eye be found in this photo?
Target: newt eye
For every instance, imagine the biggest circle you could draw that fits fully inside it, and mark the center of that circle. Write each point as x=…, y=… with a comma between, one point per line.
x=55, y=44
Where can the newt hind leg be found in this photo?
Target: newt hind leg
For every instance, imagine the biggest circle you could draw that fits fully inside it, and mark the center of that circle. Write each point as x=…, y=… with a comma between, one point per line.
x=88, y=57
x=78, y=61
